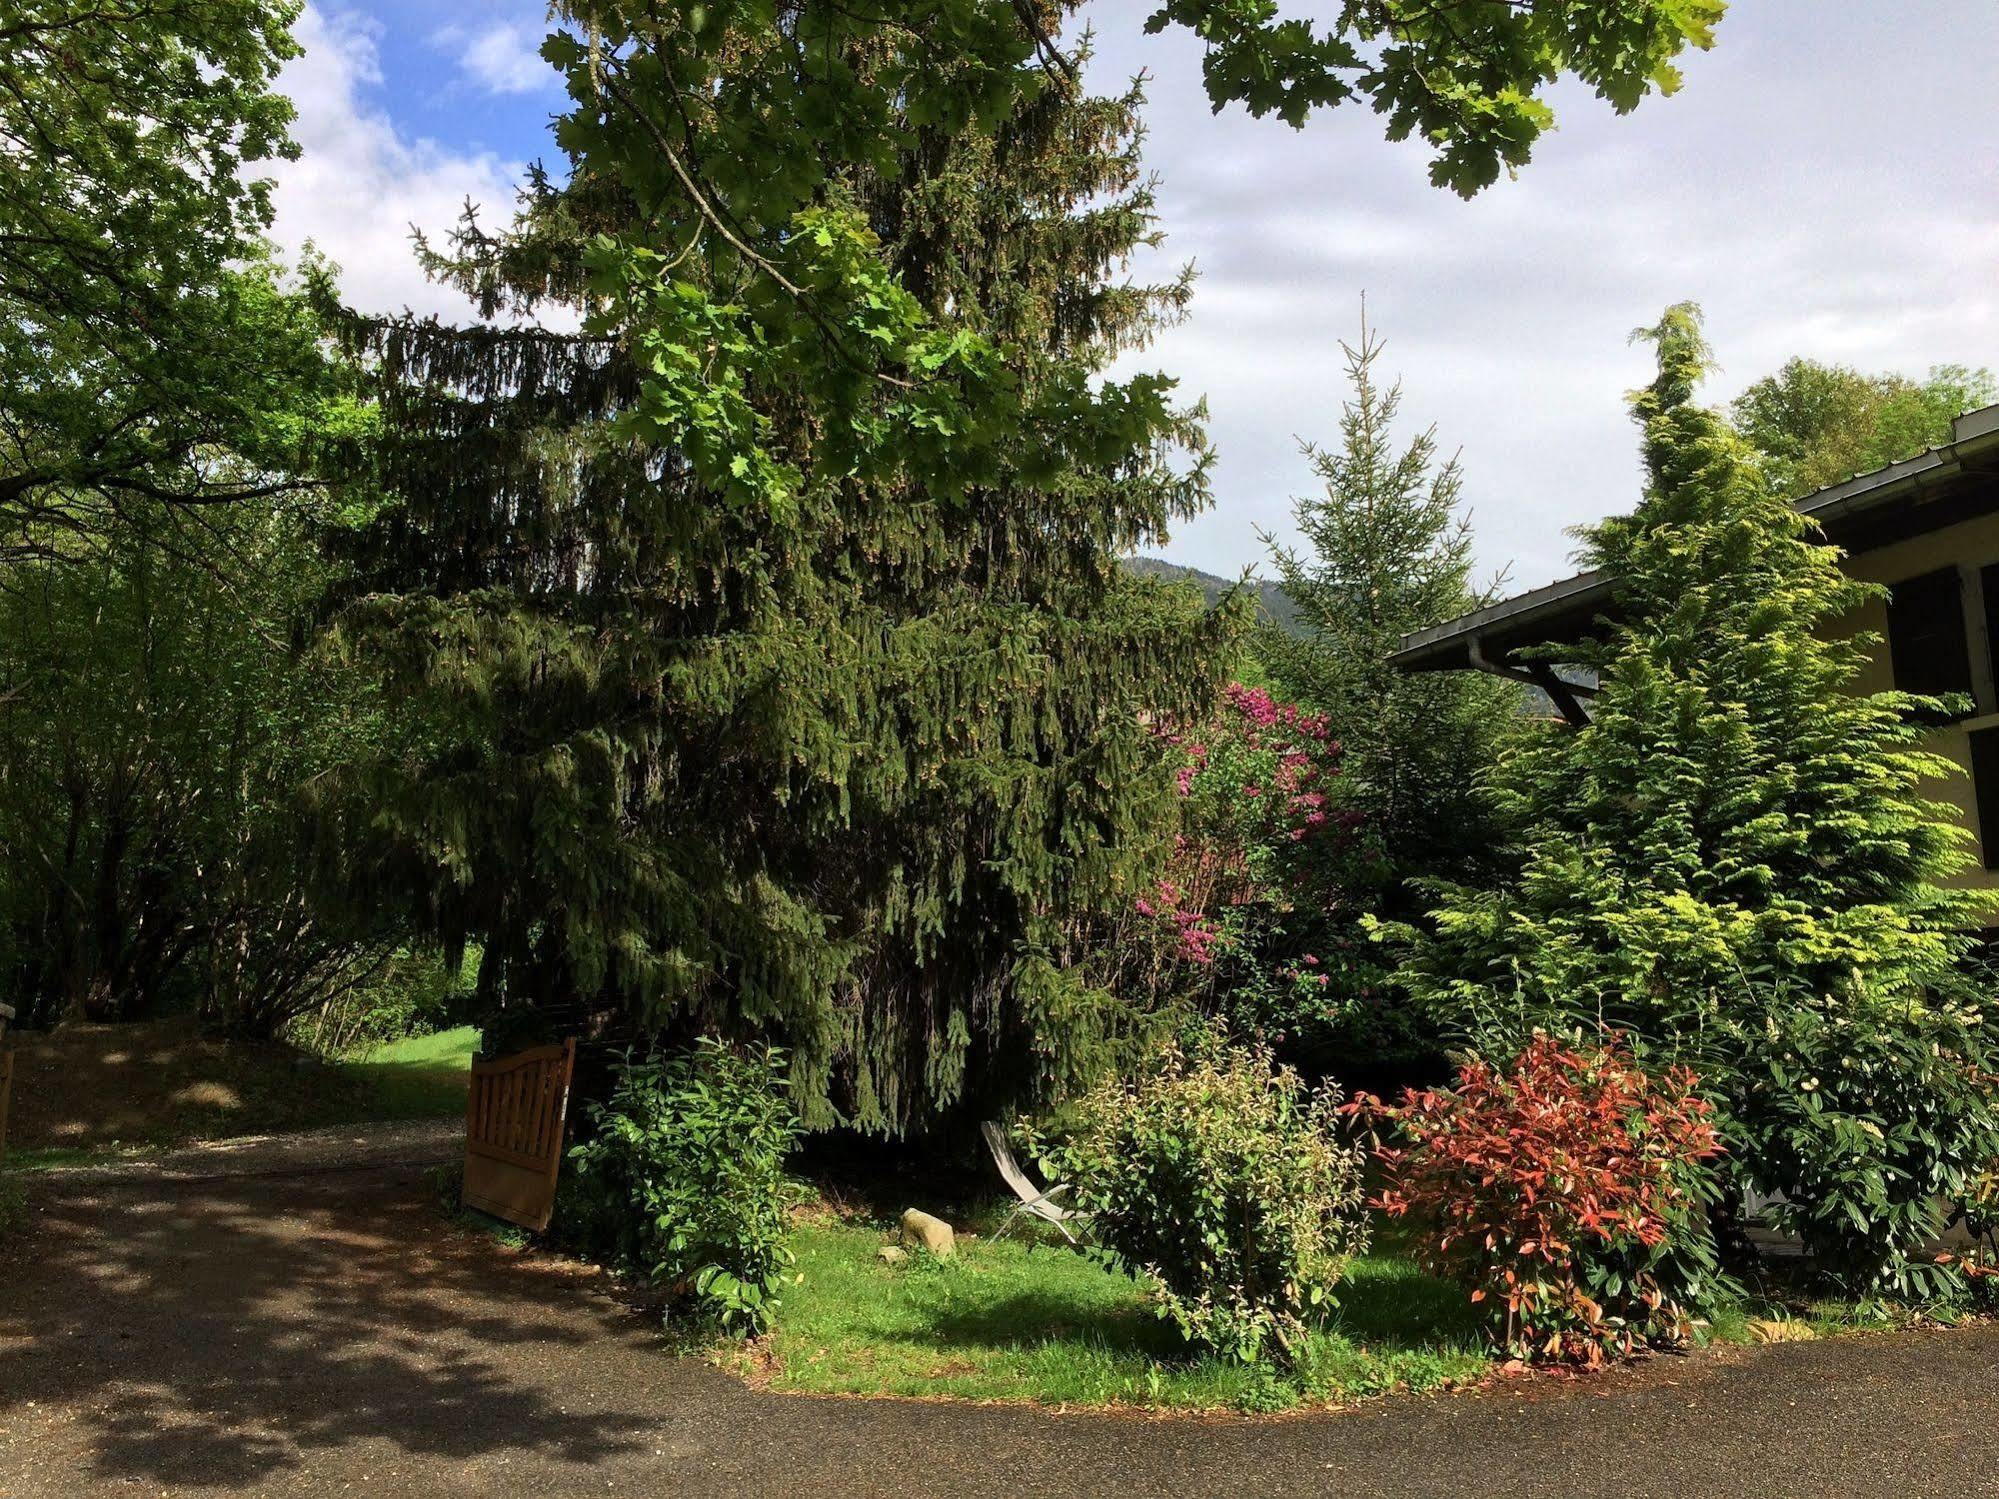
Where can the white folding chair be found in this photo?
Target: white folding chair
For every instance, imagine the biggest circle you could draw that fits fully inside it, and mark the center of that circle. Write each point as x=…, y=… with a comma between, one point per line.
x=1033, y=1201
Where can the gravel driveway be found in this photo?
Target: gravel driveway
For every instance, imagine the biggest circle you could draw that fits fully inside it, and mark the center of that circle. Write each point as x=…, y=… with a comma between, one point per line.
x=327, y=1333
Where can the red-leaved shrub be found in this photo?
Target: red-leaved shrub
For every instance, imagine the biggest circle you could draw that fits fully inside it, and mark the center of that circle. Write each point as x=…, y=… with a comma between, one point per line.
x=1569, y=1191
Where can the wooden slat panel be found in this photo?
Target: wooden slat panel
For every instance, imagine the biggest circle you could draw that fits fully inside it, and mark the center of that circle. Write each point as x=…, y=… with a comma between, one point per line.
x=503, y=1153
x=544, y=1111
x=529, y=1125
x=514, y=1116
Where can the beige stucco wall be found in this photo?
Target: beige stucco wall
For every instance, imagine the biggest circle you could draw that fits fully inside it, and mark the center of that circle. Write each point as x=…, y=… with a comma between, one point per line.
x=1968, y=545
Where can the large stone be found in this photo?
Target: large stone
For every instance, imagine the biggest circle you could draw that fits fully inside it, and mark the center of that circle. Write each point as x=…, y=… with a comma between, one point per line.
x=932, y=1235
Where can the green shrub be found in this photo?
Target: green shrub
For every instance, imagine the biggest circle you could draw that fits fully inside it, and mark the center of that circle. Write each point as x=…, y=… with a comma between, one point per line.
x=1979, y=1264
x=1869, y=1124
x=683, y=1178
x=413, y=993
x=1225, y=1182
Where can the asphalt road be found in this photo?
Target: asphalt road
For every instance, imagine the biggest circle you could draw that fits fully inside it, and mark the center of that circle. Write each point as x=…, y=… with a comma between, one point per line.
x=326, y=1333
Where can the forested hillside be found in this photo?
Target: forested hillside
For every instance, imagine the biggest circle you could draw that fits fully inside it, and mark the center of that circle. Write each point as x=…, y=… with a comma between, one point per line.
x=1271, y=601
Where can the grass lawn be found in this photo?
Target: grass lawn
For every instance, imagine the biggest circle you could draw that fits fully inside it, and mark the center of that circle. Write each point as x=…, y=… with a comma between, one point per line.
x=1003, y=1321
x=1046, y=1324
x=419, y=1077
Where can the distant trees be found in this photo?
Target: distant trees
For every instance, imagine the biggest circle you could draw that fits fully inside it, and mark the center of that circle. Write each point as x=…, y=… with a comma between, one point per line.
x=1819, y=424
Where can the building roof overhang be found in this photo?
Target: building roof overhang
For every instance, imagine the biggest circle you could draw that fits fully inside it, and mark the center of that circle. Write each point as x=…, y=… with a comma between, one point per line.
x=1947, y=484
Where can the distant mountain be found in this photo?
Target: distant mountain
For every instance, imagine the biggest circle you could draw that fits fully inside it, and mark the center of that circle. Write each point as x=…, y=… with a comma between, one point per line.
x=1272, y=602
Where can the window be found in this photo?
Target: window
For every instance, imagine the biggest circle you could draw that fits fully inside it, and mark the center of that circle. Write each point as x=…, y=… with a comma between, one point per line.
x=1985, y=789
x=1988, y=579
x=1926, y=640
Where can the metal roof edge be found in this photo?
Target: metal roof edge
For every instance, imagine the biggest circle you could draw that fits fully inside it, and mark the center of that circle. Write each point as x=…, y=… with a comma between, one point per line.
x=1980, y=423
x=1563, y=593
x=1975, y=429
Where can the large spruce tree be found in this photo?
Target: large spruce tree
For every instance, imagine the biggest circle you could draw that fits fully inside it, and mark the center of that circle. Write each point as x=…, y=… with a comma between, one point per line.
x=754, y=567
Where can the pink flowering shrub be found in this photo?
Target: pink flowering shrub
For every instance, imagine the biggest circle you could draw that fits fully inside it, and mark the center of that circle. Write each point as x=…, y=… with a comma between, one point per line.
x=1194, y=935
x=1257, y=901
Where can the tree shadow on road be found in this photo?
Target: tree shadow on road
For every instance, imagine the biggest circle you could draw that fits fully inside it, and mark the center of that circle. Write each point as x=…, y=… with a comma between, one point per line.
x=226, y=1333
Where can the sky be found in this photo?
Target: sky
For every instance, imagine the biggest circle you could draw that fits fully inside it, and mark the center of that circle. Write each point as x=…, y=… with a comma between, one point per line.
x=1823, y=185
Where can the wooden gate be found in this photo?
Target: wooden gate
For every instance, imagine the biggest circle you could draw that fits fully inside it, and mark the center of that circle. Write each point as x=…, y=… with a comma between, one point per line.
x=514, y=1119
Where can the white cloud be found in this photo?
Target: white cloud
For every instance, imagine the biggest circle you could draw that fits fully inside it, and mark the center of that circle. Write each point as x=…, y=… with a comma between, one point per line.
x=503, y=59
x=1819, y=186
x=360, y=184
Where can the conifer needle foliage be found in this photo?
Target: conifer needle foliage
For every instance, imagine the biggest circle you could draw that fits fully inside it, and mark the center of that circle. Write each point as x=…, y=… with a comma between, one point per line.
x=755, y=566
x=1738, y=861
x=1733, y=815
x=1388, y=551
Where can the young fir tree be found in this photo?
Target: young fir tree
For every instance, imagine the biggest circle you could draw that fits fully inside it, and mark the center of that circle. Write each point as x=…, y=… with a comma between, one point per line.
x=1734, y=821
x=777, y=668
x=1388, y=550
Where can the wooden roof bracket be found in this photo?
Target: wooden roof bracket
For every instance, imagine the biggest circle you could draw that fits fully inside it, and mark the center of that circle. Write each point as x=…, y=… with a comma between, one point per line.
x=1567, y=696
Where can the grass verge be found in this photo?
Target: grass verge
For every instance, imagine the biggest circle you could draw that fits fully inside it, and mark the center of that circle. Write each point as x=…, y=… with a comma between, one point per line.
x=420, y=1077
x=1006, y=1321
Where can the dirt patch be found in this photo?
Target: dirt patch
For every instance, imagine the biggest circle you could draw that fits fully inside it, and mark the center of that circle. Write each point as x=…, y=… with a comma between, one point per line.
x=347, y=1147
x=163, y=1082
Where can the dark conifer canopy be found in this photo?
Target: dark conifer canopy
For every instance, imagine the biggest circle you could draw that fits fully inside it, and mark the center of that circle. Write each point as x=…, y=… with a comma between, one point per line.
x=754, y=567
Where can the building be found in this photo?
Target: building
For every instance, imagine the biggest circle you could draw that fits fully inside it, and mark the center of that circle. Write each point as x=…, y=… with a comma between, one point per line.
x=1927, y=528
